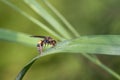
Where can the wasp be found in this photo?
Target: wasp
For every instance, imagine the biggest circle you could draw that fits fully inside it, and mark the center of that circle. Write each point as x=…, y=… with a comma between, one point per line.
x=46, y=41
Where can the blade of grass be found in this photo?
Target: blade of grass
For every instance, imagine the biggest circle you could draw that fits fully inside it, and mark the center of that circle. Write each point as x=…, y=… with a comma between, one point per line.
x=62, y=47
x=111, y=40
x=17, y=37
x=25, y=69
x=108, y=45
x=60, y=16
x=50, y=19
x=32, y=19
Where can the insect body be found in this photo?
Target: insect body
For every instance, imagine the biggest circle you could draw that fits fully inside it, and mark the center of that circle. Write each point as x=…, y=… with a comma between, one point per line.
x=45, y=41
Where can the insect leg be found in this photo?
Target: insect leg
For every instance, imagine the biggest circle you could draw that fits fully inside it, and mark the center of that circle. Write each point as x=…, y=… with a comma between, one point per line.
x=39, y=47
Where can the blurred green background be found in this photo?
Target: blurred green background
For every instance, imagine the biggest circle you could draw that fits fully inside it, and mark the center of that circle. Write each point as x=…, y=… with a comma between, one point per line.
x=89, y=17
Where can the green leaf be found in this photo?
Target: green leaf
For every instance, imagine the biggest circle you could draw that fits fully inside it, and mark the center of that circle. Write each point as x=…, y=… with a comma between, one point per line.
x=17, y=37
x=97, y=44
x=100, y=44
x=104, y=44
x=25, y=69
